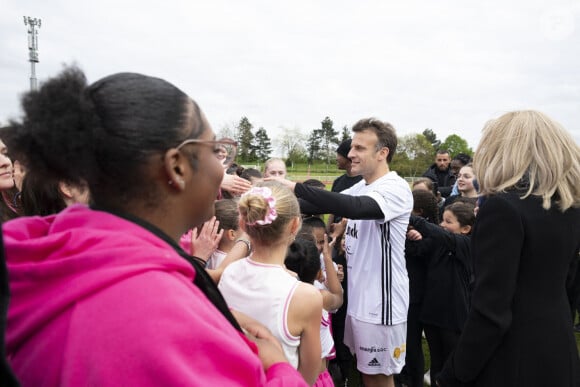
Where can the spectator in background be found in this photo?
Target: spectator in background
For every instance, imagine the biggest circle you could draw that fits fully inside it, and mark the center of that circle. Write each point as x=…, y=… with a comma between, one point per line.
x=525, y=242
x=275, y=167
x=458, y=162
x=426, y=184
x=440, y=173
x=467, y=187
x=343, y=163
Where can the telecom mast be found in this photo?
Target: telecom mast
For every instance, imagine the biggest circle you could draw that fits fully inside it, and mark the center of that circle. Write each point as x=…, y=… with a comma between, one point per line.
x=33, y=24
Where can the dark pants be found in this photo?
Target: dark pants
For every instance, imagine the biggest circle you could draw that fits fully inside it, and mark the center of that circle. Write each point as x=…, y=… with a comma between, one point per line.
x=414, y=359
x=441, y=342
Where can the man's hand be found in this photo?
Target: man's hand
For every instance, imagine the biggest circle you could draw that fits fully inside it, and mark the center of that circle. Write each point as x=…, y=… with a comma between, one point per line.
x=286, y=182
x=235, y=184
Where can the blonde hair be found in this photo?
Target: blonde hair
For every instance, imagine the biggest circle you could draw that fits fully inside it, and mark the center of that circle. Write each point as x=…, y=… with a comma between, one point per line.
x=272, y=160
x=530, y=151
x=254, y=207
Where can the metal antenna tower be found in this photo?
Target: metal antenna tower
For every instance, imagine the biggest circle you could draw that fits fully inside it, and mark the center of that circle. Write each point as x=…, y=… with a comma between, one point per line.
x=32, y=24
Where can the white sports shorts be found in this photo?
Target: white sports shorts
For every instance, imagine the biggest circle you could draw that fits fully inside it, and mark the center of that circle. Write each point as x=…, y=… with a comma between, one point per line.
x=379, y=349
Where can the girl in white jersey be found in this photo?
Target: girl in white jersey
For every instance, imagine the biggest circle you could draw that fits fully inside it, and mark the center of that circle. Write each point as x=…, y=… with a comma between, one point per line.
x=260, y=287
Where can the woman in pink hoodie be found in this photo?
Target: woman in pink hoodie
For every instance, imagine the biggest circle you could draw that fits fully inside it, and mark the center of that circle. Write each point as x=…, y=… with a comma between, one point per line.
x=104, y=296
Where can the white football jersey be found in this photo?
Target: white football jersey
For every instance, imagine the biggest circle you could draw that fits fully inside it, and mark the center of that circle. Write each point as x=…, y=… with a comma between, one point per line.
x=378, y=284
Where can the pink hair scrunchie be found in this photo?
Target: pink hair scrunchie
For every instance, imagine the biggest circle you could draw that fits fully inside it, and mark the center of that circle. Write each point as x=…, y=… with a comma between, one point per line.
x=271, y=214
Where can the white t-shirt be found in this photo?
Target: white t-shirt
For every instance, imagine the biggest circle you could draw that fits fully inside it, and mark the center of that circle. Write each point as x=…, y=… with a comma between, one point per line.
x=263, y=292
x=216, y=259
x=378, y=284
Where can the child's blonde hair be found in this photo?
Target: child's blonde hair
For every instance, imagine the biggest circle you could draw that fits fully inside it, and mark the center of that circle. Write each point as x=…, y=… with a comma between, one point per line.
x=254, y=208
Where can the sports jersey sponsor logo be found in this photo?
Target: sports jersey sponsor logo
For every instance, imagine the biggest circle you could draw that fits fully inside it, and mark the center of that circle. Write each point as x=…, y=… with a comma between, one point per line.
x=372, y=349
x=352, y=231
x=398, y=350
x=374, y=363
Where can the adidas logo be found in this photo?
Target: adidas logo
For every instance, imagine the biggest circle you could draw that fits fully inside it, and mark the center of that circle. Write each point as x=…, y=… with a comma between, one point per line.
x=374, y=363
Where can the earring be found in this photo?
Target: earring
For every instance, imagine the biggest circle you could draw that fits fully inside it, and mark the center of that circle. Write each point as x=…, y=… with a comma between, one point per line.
x=170, y=182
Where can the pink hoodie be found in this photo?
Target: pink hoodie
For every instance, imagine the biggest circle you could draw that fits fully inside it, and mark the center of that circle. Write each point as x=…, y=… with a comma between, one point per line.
x=97, y=300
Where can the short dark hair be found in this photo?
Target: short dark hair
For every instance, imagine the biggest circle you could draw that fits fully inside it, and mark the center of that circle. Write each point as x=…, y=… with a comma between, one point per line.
x=226, y=212
x=462, y=158
x=386, y=135
x=463, y=211
x=426, y=202
x=442, y=151
x=303, y=259
x=248, y=173
x=313, y=222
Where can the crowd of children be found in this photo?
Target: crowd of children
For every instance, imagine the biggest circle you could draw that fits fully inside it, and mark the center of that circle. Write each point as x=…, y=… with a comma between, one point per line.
x=186, y=270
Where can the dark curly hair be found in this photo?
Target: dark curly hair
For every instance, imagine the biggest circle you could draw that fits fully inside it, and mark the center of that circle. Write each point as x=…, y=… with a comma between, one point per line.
x=303, y=259
x=425, y=203
x=104, y=134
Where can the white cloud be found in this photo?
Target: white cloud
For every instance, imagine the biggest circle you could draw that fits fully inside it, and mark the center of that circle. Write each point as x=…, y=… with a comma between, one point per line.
x=442, y=65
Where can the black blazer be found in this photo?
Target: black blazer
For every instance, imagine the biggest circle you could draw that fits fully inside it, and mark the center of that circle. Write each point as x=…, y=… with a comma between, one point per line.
x=519, y=329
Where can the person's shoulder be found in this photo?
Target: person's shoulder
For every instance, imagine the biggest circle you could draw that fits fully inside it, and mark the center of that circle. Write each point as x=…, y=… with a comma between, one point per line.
x=429, y=171
x=234, y=267
x=392, y=179
x=355, y=187
x=307, y=294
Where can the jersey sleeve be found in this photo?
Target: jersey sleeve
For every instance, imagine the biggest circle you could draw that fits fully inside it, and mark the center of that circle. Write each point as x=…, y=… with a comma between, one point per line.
x=394, y=200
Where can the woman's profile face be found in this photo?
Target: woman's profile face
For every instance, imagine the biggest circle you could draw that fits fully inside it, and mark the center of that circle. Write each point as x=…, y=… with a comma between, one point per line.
x=207, y=177
x=6, y=172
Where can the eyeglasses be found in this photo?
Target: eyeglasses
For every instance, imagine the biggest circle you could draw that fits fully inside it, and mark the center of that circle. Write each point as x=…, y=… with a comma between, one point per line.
x=224, y=149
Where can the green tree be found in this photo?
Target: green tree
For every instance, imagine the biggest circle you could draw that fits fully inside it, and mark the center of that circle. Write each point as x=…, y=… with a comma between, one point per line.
x=329, y=137
x=246, y=152
x=262, y=145
x=291, y=142
x=416, y=154
x=455, y=144
x=345, y=134
x=432, y=138
x=313, y=145
x=297, y=155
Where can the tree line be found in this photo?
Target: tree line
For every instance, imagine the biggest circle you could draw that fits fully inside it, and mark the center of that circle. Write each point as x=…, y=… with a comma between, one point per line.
x=415, y=152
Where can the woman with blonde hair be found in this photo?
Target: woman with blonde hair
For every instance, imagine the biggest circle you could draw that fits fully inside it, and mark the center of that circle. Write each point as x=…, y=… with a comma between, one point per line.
x=525, y=242
x=260, y=286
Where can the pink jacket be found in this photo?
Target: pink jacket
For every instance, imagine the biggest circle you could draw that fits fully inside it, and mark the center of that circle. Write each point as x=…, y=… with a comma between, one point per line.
x=97, y=300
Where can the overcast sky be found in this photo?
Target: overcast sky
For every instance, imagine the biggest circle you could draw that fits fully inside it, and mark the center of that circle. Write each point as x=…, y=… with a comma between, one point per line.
x=445, y=65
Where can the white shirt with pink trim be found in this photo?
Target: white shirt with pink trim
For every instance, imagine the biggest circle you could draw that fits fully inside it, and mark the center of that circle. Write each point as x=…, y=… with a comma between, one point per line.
x=263, y=292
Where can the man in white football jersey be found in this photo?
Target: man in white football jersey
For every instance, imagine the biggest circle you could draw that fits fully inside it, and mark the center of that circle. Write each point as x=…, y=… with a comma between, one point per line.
x=378, y=208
